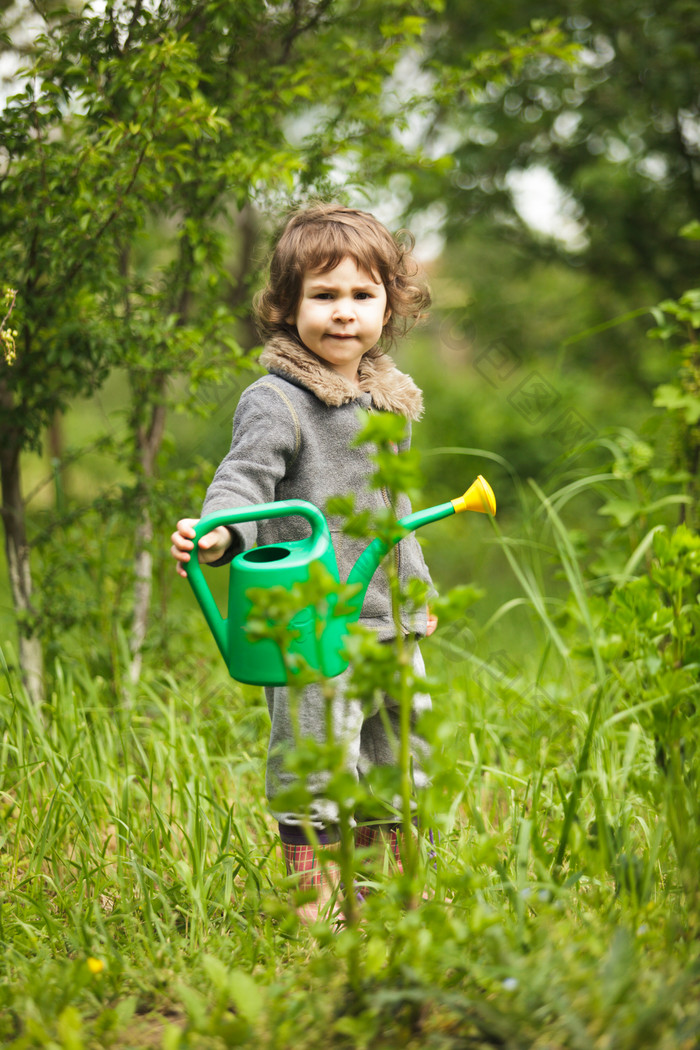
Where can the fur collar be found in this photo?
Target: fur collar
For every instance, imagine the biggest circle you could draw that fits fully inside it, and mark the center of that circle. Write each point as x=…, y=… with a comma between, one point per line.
x=391, y=390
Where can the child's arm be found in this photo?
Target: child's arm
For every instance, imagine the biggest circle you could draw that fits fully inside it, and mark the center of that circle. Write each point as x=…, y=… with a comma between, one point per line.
x=265, y=444
x=211, y=546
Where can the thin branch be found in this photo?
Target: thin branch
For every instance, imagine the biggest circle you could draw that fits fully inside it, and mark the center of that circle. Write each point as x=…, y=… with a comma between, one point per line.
x=299, y=27
x=135, y=15
x=114, y=32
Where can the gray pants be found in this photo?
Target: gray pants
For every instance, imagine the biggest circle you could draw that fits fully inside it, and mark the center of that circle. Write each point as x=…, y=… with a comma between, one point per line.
x=370, y=737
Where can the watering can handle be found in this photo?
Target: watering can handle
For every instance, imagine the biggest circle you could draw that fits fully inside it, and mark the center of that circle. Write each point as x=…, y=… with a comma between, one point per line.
x=254, y=512
x=258, y=511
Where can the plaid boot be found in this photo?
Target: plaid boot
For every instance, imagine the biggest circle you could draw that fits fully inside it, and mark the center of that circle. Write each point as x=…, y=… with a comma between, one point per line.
x=391, y=838
x=365, y=835
x=316, y=870
x=381, y=836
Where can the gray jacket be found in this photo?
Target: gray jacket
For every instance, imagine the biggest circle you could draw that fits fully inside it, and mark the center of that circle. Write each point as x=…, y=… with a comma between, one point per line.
x=292, y=439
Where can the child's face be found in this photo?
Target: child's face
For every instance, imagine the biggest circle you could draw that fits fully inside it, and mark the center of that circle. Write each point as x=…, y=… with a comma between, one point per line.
x=340, y=315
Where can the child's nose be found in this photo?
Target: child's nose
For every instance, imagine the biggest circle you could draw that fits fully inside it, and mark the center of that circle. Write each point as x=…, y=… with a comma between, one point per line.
x=344, y=310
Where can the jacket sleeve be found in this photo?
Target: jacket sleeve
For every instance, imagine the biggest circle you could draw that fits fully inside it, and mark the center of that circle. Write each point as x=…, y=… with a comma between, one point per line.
x=265, y=443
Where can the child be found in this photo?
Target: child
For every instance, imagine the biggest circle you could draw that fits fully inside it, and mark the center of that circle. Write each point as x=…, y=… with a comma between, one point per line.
x=340, y=289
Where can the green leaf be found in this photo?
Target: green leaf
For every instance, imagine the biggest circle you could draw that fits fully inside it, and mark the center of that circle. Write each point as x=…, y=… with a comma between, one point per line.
x=246, y=995
x=670, y=397
x=623, y=511
x=409, y=26
x=216, y=971
x=691, y=230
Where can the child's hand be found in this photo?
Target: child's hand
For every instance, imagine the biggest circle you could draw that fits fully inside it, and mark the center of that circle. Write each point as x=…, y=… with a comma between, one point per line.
x=432, y=624
x=211, y=546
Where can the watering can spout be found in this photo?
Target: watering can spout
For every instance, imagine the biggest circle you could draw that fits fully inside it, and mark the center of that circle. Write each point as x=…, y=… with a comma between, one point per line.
x=479, y=497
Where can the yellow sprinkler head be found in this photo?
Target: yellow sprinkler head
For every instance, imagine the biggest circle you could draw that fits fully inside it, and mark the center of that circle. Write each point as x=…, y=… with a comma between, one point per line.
x=479, y=497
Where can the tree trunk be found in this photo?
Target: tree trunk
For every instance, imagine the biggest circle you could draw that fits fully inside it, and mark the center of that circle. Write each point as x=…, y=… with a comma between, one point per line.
x=239, y=289
x=143, y=584
x=149, y=440
x=19, y=570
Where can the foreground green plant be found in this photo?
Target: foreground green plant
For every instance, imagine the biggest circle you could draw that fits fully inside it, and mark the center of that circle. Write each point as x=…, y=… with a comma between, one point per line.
x=144, y=903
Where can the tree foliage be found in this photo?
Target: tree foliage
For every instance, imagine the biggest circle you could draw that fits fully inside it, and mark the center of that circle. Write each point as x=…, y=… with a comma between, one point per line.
x=176, y=115
x=621, y=136
x=138, y=137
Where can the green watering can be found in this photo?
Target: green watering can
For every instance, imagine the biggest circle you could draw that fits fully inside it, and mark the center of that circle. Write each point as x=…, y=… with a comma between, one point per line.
x=261, y=661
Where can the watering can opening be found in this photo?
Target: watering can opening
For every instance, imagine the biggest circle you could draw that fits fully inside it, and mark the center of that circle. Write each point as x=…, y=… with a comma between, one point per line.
x=262, y=554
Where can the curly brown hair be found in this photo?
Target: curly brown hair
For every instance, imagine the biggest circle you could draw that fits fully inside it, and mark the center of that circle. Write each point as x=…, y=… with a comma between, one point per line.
x=316, y=239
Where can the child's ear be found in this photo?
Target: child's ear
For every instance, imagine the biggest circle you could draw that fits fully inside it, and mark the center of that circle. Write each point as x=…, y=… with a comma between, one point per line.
x=387, y=315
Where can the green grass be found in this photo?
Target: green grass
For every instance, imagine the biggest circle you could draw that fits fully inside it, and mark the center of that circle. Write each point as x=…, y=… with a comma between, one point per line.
x=144, y=902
